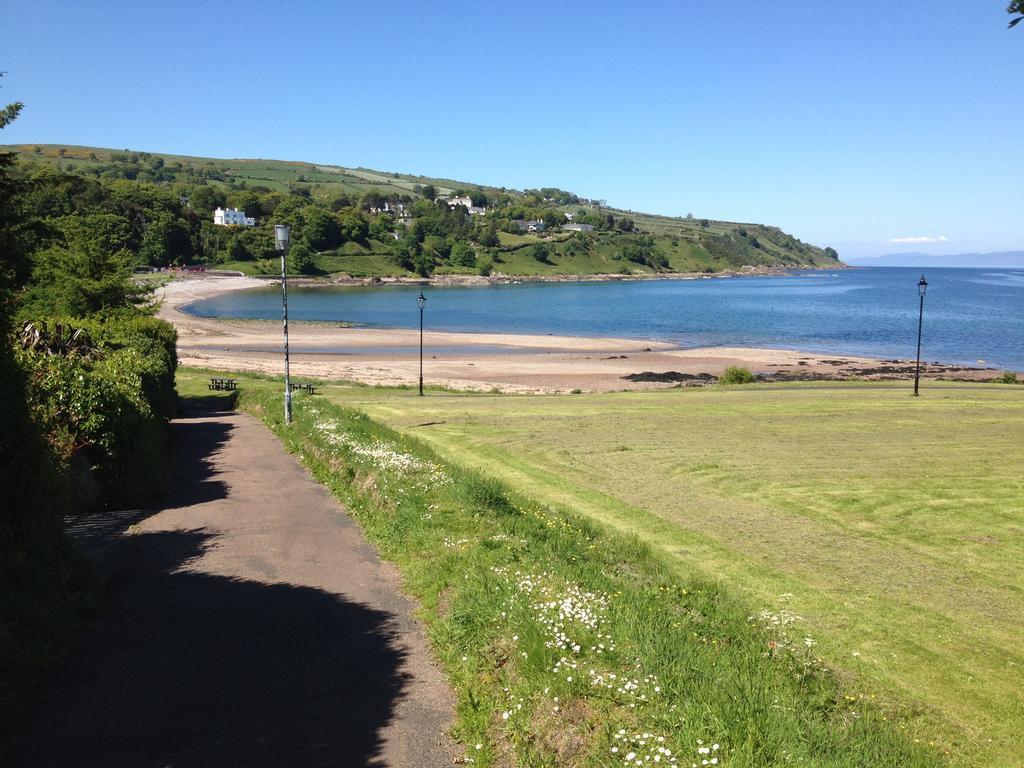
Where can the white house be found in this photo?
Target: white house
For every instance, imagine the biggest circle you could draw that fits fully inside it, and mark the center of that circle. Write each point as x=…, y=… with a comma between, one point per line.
x=232, y=217
x=464, y=201
x=578, y=227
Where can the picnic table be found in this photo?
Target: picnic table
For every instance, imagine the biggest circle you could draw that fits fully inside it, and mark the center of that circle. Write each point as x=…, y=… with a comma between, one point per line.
x=308, y=388
x=223, y=384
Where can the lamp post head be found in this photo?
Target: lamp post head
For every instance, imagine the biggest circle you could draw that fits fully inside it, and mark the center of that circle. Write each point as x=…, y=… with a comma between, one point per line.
x=922, y=286
x=421, y=300
x=282, y=236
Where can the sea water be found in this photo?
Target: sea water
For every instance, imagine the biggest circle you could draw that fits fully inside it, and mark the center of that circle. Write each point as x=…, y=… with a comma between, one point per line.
x=971, y=316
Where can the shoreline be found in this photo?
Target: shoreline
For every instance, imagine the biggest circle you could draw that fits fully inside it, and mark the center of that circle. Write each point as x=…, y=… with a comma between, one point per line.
x=492, y=361
x=500, y=278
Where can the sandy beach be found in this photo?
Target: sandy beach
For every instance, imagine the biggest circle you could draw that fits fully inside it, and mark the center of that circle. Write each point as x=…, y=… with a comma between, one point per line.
x=486, y=361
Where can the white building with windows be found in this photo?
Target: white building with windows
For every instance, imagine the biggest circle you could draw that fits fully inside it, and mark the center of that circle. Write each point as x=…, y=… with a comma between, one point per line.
x=232, y=217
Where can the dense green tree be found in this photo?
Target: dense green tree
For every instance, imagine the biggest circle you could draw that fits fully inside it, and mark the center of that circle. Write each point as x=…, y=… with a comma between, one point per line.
x=32, y=494
x=50, y=193
x=381, y=226
x=107, y=231
x=404, y=253
x=340, y=201
x=236, y=250
x=14, y=260
x=165, y=241
x=206, y=197
x=352, y=227
x=462, y=255
x=424, y=262
x=438, y=246
x=300, y=258
x=291, y=210
x=831, y=253
x=541, y=252
x=553, y=218
x=428, y=192
x=249, y=202
x=488, y=236
x=320, y=228
x=82, y=276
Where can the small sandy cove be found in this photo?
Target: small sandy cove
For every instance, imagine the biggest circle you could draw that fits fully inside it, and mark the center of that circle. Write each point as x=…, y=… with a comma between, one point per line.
x=481, y=361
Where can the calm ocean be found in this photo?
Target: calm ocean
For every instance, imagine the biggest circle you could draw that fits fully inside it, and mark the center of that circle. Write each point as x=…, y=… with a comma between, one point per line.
x=970, y=315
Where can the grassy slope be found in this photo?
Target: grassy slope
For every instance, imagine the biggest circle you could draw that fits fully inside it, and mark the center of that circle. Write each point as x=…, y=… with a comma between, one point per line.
x=659, y=653
x=677, y=238
x=274, y=174
x=896, y=523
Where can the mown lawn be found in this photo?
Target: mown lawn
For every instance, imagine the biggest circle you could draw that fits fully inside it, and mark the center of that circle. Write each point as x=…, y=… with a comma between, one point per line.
x=895, y=525
x=571, y=644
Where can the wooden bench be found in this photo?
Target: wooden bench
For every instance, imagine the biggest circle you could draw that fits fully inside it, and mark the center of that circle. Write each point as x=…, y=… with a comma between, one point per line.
x=308, y=388
x=223, y=384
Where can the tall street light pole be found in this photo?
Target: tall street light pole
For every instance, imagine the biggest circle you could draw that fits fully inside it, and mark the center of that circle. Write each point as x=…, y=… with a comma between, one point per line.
x=282, y=239
x=922, y=286
x=421, y=300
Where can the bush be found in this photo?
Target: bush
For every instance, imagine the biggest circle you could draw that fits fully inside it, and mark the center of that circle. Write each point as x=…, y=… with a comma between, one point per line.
x=106, y=409
x=735, y=374
x=1008, y=378
x=541, y=253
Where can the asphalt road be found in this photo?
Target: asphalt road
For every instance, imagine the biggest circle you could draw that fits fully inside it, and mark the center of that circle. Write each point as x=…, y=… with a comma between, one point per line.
x=246, y=623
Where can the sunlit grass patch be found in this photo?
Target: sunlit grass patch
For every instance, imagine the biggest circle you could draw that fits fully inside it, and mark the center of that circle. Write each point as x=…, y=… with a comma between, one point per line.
x=571, y=645
x=894, y=521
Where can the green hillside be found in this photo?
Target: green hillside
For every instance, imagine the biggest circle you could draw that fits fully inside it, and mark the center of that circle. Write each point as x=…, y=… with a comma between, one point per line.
x=363, y=222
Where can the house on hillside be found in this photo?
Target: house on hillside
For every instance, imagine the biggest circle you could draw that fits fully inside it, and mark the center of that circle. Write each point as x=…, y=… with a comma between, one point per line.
x=466, y=202
x=578, y=227
x=232, y=217
x=534, y=225
x=395, y=209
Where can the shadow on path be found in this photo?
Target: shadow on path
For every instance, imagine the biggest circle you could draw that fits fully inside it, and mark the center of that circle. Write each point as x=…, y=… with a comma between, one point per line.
x=193, y=669
x=200, y=670
x=196, y=439
x=191, y=480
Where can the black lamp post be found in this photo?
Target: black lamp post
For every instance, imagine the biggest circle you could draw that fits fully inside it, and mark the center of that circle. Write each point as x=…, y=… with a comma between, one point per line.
x=421, y=300
x=282, y=239
x=922, y=286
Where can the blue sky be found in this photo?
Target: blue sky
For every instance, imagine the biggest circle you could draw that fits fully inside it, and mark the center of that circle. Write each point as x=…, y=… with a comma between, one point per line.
x=848, y=124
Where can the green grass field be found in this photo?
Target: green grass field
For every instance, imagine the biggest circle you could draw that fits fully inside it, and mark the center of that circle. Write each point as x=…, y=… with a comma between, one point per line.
x=895, y=524
x=568, y=642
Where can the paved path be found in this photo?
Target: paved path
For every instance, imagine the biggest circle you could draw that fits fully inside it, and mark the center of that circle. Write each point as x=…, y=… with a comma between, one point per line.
x=247, y=623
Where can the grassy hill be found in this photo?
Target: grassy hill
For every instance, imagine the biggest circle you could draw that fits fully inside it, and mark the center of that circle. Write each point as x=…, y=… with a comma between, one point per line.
x=277, y=175
x=631, y=243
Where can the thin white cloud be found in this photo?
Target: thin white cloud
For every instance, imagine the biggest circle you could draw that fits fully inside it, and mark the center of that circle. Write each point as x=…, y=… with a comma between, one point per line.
x=922, y=239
